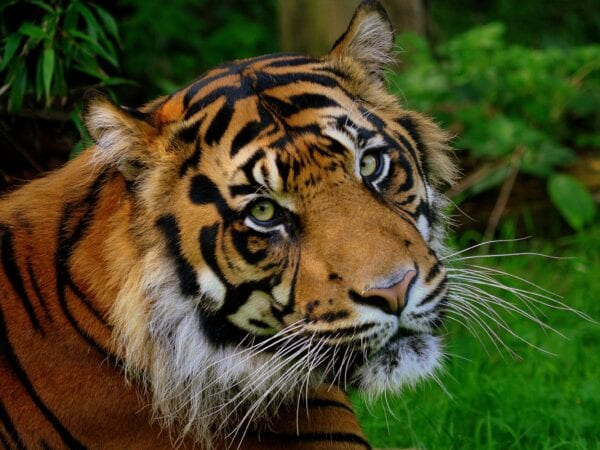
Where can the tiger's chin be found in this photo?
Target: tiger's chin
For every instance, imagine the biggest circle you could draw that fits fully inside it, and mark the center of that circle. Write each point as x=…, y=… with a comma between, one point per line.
x=405, y=360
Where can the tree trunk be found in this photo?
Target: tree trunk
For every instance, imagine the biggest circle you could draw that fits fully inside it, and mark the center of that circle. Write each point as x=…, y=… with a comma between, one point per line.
x=312, y=26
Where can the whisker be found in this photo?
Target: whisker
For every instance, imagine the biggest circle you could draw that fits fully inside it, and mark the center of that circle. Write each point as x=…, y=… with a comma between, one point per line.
x=481, y=244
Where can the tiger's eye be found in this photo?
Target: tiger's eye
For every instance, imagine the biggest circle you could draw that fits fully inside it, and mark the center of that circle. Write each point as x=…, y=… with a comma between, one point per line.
x=368, y=165
x=263, y=211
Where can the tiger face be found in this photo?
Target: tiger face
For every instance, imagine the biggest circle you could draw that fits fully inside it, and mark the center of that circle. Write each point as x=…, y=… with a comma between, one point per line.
x=287, y=220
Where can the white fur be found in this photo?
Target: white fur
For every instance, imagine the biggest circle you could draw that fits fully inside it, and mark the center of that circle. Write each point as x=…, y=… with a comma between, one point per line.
x=212, y=288
x=378, y=375
x=191, y=381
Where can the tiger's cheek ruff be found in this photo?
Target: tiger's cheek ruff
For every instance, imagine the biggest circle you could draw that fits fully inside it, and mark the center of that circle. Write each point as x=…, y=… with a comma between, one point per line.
x=194, y=383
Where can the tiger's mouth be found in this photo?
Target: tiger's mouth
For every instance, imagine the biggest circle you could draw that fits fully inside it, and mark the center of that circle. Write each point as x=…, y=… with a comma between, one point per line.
x=406, y=358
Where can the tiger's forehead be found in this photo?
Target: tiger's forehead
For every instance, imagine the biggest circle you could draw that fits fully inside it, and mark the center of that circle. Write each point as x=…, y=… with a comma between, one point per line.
x=285, y=83
x=276, y=125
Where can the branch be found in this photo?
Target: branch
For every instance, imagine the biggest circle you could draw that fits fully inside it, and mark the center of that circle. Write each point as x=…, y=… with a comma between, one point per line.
x=504, y=194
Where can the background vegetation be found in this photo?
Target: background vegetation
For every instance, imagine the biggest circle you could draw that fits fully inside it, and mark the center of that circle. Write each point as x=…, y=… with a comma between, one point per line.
x=518, y=83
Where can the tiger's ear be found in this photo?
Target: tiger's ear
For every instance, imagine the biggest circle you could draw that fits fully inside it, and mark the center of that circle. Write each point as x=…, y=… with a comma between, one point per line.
x=369, y=39
x=123, y=136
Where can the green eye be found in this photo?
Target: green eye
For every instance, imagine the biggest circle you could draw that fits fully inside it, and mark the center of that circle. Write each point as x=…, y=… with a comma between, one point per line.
x=263, y=211
x=369, y=164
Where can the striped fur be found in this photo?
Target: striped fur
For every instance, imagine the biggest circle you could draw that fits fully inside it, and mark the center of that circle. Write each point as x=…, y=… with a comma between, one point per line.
x=138, y=284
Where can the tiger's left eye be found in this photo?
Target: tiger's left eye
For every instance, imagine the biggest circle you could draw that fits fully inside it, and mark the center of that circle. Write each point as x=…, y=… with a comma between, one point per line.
x=369, y=164
x=263, y=211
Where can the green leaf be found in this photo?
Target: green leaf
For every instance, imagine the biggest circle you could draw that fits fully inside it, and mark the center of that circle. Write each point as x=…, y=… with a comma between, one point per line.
x=94, y=47
x=94, y=28
x=10, y=47
x=41, y=5
x=48, y=70
x=573, y=200
x=39, y=79
x=29, y=29
x=115, y=81
x=109, y=22
x=92, y=70
x=18, y=87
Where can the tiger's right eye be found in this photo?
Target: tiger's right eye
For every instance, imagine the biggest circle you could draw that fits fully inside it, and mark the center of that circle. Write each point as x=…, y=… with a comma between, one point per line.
x=263, y=211
x=369, y=164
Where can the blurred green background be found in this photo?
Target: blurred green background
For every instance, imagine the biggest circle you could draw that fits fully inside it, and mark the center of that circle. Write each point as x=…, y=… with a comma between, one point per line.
x=518, y=85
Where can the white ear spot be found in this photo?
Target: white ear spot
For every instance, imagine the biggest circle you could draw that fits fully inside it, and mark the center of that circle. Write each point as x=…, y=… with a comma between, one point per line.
x=213, y=288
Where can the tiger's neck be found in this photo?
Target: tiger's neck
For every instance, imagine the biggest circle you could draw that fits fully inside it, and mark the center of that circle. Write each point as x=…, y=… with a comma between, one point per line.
x=68, y=231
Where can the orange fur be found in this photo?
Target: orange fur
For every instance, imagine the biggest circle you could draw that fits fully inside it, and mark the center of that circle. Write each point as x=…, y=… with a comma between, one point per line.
x=133, y=275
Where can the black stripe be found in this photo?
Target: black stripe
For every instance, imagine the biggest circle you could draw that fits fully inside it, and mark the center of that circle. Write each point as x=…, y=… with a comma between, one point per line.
x=435, y=292
x=248, y=132
x=374, y=300
x=240, y=241
x=291, y=62
x=243, y=189
x=187, y=276
x=423, y=209
x=435, y=269
x=219, y=123
x=102, y=351
x=265, y=81
x=229, y=92
x=10, y=428
x=411, y=127
x=284, y=170
x=4, y=442
x=208, y=243
x=204, y=191
x=198, y=85
x=248, y=166
x=134, y=112
x=18, y=370
x=86, y=301
x=14, y=276
x=259, y=323
x=190, y=133
x=298, y=103
x=409, y=199
x=192, y=161
x=314, y=437
x=345, y=331
x=66, y=243
x=310, y=100
x=409, y=182
x=37, y=290
x=326, y=403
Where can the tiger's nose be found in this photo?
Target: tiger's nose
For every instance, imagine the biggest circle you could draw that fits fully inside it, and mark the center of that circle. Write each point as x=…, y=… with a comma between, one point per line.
x=391, y=299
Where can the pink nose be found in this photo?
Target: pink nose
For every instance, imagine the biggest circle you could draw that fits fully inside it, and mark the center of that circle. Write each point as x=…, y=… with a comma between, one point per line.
x=394, y=296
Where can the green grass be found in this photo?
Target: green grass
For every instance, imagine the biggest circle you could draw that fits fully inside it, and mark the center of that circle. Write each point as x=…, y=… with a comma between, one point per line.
x=536, y=401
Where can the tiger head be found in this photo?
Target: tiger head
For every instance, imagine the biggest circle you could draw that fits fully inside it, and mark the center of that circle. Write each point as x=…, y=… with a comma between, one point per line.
x=288, y=224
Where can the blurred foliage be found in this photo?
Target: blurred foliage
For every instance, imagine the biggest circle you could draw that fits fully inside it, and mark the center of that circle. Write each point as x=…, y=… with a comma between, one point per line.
x=54, y=49
x=166, y=48
x=534, y=23
x=509, y=105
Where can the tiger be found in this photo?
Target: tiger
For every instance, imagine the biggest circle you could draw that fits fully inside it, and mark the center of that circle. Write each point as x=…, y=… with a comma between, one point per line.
x=226, y=261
